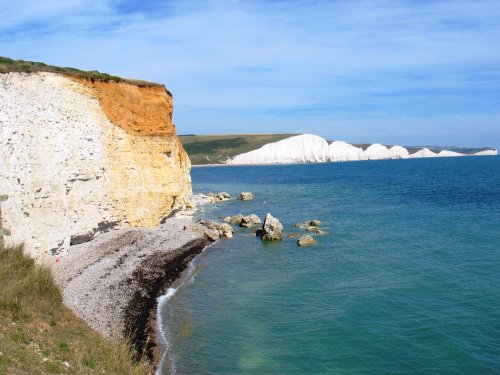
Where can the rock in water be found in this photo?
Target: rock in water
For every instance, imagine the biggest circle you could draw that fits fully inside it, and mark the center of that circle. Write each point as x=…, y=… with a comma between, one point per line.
x=306, y=240
x=250, y=221
x=246, y=196
x=315, y=223
x=272, y=229
x=225, y=230
x=223, y=196
x=236, y=219
x=311, y=228
x=219, y=197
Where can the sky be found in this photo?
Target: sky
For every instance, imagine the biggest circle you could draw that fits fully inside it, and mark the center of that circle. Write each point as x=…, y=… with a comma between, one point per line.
x=408, y=72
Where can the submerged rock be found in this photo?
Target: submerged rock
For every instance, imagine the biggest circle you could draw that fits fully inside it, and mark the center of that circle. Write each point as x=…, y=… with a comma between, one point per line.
x=293, y=235
x=250, y=221
x=272, y=229
x=246, y=196
x=315, y=222
x=312, y=228
x=303, y=224
x=306, y=240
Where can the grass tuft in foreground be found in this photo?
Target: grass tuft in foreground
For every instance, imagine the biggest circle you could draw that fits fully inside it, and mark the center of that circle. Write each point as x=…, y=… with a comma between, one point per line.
x=38, y=335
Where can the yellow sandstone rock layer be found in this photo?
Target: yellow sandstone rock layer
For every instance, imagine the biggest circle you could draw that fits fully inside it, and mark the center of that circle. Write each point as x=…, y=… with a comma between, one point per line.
x=148, y=166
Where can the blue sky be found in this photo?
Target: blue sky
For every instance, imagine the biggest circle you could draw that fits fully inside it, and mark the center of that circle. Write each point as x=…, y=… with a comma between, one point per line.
x=391, y=71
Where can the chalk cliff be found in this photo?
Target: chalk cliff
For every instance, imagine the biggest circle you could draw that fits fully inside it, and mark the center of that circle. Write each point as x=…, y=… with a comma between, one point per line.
x=308, y=148
x=78, y=157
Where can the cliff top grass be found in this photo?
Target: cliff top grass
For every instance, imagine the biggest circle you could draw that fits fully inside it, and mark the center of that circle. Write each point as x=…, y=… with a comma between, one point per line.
x=9, y=65
x=38, y=335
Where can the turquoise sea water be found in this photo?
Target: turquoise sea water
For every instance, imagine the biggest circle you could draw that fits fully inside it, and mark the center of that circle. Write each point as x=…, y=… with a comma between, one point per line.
x=407, y=280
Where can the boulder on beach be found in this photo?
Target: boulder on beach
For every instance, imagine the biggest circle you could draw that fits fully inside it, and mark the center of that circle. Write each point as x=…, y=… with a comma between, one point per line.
x=306, y=240
x=236, y=219
x=246, y=196
x=250, y=221
x=212, y=234
x=272, y=229
x=224, y=229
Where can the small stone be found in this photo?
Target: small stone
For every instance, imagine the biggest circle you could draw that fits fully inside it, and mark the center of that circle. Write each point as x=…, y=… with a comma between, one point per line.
x=293, y=235
x=305, y=240
x=250, y=221
x=315, y=223
x=246, y=196
x=272, y=229
x=66, y=364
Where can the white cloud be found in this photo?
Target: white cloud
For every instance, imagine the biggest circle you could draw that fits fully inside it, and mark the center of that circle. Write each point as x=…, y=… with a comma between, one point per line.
x=363, y=58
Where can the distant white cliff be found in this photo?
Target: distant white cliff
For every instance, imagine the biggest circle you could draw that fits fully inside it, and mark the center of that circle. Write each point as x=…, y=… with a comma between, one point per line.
x=305, y=148
x=487, y=153
x=309, y=148
x=425, y=153
x=343, y=151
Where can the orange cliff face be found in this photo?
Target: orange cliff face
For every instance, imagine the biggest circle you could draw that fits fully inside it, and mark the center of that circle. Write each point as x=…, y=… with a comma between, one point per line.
x=79, y=157
x=143, y=110
x=148, y=165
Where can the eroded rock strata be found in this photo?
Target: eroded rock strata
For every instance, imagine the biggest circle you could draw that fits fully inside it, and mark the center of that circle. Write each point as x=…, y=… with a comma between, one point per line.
x=80, y=157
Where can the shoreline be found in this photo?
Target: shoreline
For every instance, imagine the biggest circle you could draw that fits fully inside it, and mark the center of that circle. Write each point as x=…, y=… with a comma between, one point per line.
x=114, y=281
x=326, y=162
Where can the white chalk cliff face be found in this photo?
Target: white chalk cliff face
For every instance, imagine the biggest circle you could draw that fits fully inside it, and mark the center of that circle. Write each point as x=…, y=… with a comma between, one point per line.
x=71, y=172
x=308, y=148
x=424, y=153
x=343, y=151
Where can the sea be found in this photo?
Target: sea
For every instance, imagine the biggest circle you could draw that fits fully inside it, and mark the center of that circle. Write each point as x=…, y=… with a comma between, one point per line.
x=405, y=279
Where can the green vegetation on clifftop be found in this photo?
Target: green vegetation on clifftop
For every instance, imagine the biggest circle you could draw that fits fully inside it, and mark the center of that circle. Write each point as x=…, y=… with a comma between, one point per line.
x=8, y=65
x=38, y=335
x=216, y=149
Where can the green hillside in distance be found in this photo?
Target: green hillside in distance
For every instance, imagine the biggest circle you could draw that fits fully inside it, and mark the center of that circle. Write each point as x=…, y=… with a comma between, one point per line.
x=216, y=149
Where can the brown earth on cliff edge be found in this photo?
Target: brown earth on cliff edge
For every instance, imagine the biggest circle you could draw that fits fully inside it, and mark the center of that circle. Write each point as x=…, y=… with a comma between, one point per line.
x=144, y=110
